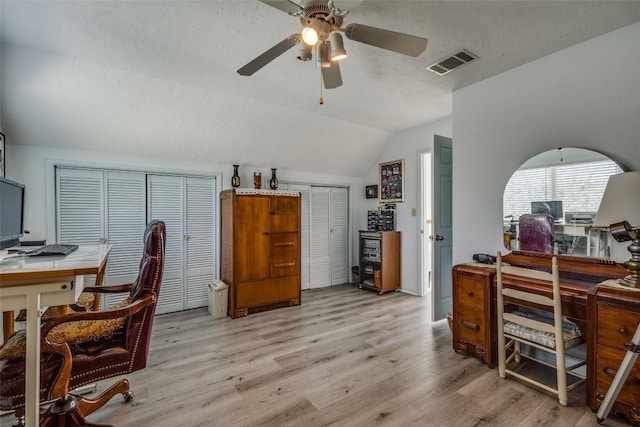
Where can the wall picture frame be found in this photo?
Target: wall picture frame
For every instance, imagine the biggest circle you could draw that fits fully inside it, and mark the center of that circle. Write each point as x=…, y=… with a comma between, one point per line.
x=392, y=181
x=371, y=191
x=3, y=156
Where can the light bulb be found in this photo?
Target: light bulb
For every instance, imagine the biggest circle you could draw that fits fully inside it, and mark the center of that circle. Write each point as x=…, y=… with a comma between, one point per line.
x=310, y=36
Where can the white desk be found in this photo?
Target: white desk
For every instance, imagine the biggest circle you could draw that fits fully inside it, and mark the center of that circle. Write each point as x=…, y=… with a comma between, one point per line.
x=571, y=229
x=36, y=283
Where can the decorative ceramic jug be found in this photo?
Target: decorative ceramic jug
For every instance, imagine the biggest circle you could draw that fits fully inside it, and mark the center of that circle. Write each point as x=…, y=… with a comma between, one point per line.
x=273, y=183
x=235, y=179
x=257, y=180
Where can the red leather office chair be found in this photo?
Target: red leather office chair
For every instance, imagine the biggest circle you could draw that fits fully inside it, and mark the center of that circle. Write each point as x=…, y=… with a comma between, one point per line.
x=536, y=233
x=82, y=348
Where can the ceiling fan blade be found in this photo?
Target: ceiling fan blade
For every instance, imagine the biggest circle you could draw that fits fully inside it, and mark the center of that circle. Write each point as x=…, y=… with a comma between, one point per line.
x=269, y=55
x=390, y=40
x=331, y=76
x=287, y=6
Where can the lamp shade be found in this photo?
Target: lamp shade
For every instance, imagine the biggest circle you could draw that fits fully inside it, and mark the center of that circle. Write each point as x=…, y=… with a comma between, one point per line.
x=323, y=55
x=338, y=52
x=620, y=201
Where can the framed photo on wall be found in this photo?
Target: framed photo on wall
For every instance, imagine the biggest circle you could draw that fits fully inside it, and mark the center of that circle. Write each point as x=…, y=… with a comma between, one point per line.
x=2, y=156
x=371, y=192
x=392, y=181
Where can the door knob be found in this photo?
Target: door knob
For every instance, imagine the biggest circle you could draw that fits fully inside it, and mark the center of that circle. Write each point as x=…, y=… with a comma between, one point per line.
x=439, y=237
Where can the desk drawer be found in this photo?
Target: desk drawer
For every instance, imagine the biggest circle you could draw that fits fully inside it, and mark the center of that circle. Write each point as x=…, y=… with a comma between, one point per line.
x=608, y=363
x=470, y=292
x=615, y=326
x=471, y=324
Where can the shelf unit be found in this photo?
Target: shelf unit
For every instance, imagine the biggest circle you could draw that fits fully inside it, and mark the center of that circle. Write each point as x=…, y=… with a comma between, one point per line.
x=380, y=260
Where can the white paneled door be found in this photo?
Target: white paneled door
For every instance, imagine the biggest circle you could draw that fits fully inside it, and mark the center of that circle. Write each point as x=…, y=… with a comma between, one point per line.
x=305, y=191
x=98, y=206
x=188, y=208
x=338, y=231
x=328, y=244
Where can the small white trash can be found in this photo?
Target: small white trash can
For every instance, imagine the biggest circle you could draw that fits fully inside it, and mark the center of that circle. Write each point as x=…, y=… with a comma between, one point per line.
x=218, y=296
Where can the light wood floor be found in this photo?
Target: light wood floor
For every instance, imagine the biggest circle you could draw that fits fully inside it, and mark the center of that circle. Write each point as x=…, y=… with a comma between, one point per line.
x=346, y=357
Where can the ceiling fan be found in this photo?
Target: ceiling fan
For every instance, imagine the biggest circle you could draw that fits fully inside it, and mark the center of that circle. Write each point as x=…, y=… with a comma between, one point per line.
x=321, y=22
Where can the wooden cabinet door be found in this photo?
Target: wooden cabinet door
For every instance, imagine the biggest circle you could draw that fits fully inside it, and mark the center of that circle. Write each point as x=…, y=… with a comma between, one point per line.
x=252, y=238
x=283, y=214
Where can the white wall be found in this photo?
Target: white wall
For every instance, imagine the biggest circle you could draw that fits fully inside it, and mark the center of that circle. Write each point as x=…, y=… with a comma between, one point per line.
x=406, y=145
x=585, y=96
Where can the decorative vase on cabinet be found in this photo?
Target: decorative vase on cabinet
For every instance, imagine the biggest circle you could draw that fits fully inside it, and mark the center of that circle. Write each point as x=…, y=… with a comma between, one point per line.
x=235, y=179
x=273, y=183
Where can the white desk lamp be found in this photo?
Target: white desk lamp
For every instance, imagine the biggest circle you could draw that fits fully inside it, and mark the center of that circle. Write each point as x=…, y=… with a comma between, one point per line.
x=620, y=212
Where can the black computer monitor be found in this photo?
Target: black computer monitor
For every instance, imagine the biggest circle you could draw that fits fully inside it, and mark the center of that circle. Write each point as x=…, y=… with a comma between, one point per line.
x=11, y=213
x=551, y=207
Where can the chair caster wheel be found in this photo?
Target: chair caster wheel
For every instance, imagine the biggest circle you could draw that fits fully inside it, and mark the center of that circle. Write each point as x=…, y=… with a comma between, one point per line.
x=128, y=396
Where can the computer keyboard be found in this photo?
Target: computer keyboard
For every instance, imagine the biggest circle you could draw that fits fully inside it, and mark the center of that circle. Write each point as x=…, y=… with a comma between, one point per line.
x=55, y=249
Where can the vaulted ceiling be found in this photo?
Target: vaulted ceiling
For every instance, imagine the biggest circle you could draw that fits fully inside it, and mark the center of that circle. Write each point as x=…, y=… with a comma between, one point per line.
x=158, y=78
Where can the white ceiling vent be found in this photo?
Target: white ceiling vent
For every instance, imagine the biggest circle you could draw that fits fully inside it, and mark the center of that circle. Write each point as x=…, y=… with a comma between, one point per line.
x=447, y=65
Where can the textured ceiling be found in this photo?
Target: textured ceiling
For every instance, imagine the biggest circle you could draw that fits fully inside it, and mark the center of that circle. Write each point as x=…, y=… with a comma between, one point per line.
x=139, y=75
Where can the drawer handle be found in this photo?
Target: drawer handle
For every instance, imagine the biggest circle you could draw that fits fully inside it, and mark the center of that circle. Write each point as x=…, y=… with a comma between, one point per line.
x=287, y=264
x=622, y=331
x=470, y=293
x=284, y=244
x=471, y=325
x=613, y=372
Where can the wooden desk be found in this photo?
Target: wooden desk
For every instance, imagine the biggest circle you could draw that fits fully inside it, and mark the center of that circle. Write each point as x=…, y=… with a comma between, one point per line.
x=474, y=294
x=38, y=282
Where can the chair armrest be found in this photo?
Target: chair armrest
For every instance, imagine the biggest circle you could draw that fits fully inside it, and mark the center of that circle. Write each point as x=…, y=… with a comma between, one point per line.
x=60, y=384
x=109, y=289
x=125, y=311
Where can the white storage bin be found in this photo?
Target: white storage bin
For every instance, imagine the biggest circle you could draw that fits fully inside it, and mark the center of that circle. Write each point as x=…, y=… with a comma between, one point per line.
x=218, y=297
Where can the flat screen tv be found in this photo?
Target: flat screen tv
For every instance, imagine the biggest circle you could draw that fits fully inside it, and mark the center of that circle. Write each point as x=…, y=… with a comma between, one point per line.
x=551, y=207
x=11, y=213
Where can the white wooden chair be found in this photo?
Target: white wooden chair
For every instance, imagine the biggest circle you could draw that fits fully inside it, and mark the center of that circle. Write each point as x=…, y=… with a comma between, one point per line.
x=538, y=330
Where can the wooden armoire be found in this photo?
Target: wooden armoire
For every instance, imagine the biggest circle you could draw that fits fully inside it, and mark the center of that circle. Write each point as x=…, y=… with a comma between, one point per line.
x=260, y=249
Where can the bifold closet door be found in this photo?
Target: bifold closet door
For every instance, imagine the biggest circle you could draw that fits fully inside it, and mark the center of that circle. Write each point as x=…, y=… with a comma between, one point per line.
x=329, y=213
x=305, y=191
x=338, y=231
x=99, y=206
x=188, y=208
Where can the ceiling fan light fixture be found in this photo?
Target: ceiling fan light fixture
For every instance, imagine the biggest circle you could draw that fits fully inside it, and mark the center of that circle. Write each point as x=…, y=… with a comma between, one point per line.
x=323, y=55
x=315, y=31
x=310, y=36
x=304, y=52
x=338, y=51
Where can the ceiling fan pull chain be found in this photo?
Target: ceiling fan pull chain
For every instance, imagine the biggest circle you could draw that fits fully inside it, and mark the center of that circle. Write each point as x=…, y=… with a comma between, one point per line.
x=321, y=98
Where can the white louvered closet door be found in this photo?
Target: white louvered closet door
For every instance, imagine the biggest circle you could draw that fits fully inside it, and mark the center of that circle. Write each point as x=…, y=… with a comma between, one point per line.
x=339, y=224
x=80, y=206
x=96, y=206
x=305, y=192
x=200, y=239
x=320, y=255
x=126, y=221
x=166, y=200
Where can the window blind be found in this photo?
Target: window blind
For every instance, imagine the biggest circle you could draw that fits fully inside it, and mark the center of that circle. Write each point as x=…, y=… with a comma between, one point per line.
x=579, y=186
